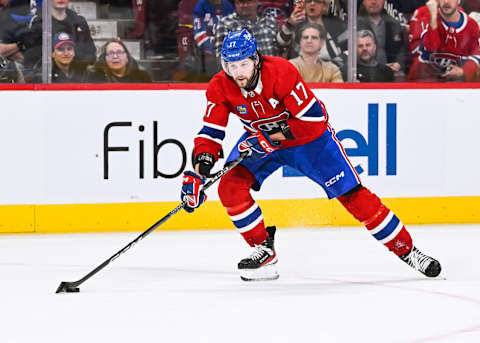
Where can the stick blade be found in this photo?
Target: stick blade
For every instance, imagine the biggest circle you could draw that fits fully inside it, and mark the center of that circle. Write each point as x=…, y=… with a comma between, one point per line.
x=67, y=287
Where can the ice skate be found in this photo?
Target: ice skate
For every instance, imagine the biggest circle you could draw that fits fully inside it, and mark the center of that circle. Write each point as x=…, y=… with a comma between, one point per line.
x=426, y=265
x=261, y=264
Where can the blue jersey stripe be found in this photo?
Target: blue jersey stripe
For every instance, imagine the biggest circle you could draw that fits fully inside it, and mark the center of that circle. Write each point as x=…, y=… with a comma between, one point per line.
x=315, y=111
x=248, y=219
x=214, y=133
x=388, y=229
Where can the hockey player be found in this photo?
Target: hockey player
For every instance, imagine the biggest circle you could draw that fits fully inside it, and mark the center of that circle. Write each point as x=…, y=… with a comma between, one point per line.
x=285, y=126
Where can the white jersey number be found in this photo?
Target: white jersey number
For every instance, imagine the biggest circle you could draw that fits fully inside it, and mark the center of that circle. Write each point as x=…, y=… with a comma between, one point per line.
x=299, y=87
x=210, y=106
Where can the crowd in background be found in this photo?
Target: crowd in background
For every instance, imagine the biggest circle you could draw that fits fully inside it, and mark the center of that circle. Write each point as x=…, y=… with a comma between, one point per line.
x=397, y=40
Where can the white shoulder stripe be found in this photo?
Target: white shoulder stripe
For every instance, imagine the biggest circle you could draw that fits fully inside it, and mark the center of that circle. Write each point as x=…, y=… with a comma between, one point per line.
x=214, y=126
x=302, y=112
x=319, y=119
x=216, y=140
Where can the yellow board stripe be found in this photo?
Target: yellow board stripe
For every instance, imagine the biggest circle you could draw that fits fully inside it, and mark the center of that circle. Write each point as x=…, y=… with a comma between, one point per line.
x=17, y=218
x=283, y=213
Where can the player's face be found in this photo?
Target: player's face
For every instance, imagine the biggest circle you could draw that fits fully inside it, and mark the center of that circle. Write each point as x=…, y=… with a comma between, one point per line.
x=241, y=71
x=116, y=57
x=64, y=54
x=448, y=7
x=374, y=6
x=310, y=41
x=60, y=4
x=366, y=49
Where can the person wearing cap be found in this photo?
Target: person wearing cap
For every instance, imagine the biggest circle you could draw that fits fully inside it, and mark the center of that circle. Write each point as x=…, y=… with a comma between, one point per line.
x=63, y=20
x=64, y=67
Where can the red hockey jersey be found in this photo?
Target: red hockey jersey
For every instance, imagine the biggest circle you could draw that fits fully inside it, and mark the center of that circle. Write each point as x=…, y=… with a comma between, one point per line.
x=449, y=44
x=279, y=9
x=280, y=94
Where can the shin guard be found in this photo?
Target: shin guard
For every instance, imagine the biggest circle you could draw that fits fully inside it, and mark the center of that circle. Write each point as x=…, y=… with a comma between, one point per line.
x=246, y=215
x=380, y=221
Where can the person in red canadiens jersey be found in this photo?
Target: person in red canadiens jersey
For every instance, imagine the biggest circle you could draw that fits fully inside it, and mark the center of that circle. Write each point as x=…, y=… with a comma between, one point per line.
x=445, y=42
x=285, y=125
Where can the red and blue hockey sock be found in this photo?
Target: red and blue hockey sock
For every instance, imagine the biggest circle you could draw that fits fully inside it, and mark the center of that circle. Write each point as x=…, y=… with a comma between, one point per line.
x=246, y=215
x=380, y=221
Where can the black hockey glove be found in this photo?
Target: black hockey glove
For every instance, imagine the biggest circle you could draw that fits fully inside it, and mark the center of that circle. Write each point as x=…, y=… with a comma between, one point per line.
x=283, y=128
x=205, y=161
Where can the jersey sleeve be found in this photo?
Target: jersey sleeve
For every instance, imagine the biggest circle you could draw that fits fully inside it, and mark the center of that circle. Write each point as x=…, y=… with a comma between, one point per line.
x=308, y=114
x=210, y=138
x=473, y=58
x=417, y=26
x=431, y=37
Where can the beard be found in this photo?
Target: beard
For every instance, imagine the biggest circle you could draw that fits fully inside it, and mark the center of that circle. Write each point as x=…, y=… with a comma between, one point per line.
x=242, y=82
x=448, y=11
x=366, y=58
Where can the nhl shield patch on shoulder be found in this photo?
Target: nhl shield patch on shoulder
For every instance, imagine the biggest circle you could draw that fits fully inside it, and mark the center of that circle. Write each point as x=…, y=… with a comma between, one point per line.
x=242, y=109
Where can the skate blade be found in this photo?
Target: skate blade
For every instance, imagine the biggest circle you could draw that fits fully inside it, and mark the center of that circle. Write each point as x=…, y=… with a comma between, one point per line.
x=265, y=273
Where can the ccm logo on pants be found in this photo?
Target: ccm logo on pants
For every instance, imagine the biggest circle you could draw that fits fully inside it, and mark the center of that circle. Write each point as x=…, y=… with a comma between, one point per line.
x=334, y=179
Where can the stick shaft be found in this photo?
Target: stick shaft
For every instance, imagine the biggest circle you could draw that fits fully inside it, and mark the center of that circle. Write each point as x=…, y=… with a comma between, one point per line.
x=209, y=183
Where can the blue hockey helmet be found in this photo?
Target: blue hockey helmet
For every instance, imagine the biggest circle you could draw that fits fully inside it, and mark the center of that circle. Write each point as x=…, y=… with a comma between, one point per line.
x=239, y=45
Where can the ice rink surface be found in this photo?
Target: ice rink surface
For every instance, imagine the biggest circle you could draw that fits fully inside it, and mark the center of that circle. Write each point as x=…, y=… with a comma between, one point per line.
x=336, y=285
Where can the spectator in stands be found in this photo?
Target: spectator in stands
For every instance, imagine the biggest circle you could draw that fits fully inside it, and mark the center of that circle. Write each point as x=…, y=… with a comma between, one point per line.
x=309, y=64
x=184, y=33
x=368, y=68
x=116, y=64
x=161, y=24
x=12, y=33
x=264, y=29
x=279, y=9
x=64, y=20
x=475, y=15
x=339, y=9
x=205, y=18
x=402, y=10
x=10, y=71
x=389, y=37
x=449, y=44
x=64, y=68
x=315, y=11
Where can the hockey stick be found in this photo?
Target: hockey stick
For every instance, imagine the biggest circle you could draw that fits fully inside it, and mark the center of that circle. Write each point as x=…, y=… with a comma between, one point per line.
x=72, y=287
